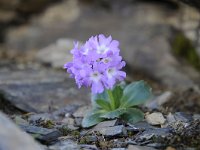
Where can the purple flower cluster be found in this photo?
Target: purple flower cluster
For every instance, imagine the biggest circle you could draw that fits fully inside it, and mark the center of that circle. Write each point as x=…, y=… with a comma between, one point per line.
x=97, y=63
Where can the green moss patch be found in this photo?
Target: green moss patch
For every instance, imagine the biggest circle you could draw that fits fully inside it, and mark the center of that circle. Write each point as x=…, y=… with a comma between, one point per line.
x=184, y=48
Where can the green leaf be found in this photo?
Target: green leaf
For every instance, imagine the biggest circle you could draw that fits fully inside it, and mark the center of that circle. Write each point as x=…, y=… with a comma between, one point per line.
x=104, y=96
x=92, y=118
x=117, y=95
x=111, y=99
x=113, y=114
x=133, y=115
x=135, y=93
x=103, y=104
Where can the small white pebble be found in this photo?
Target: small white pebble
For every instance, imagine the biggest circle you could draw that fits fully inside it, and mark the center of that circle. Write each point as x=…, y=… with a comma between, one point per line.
x=155, y=118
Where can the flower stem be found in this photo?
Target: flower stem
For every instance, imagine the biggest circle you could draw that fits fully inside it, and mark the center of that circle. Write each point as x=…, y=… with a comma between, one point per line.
x=112, y=100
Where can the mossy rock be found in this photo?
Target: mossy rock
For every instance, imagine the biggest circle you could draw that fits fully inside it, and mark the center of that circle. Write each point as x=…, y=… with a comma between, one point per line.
x=184, y=48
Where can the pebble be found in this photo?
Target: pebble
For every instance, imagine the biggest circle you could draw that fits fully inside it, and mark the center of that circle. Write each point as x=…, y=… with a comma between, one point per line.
x=81, y=112
x=155, y=118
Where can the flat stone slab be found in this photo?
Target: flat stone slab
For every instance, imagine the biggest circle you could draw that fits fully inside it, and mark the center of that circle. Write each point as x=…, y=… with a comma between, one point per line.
x=111, y=131
x=42, y=134
x=65, y=145
x=156, y=133
x=41, y=90
x=12, y=138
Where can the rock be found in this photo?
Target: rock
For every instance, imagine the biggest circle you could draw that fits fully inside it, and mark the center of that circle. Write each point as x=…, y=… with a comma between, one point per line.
x=72, y=127
x=104, y=124
x=89, y=139
x=68, y=121
x=30, y=6
x=135, y=147
x=64, y=145
x=53, y=19
x=17, y=140
x=144, y=42
x=155, y=118
x=140, y=126
x=88, y=147
x=7, y=16
x=158, y=101
x=40, y=90
x=170, y=148
x=156, y=145
x=19, y=120
x=194, y=3
x=78, y=121
x=81, y=111
x=56, y=54
x=196, y=116
x=168, y=70
x=170, y=118
x=33, y=118
x=118, y=149
x=181, y=116
x=44, y=135
x=111, y=131
x=179, y=120
x=156, y=133
x=65, y=111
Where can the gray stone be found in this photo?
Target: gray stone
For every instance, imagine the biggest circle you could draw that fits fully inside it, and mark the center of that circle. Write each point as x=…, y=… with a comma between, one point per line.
x=156, y=133
x=81, y=111
x=140, y=126
x=45, y=135
x=157, y=102
x=68, y=121
x=12, y=138
x=144, y=42
x=196, y=116
x=111, y=131
x=56, y=54
x=40, y=90
x=65, y=111
x=104, y=124
x=52, y=17
x=19, y=120
x=33, y=118
x=181, y=116
x=88, y=147
x=69, y=126
x=64, y=145
x=91, y=138
x=155, y=118
x=118, y=149
x=136, y=147
x=156, y=145
x=170, y=118
x=78, y=121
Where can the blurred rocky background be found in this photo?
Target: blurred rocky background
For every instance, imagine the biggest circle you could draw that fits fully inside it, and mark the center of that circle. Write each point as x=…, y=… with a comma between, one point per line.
x=159, y=40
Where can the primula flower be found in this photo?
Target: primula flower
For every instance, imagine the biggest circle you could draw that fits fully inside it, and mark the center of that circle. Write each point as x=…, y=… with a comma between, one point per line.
x=96, y=64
